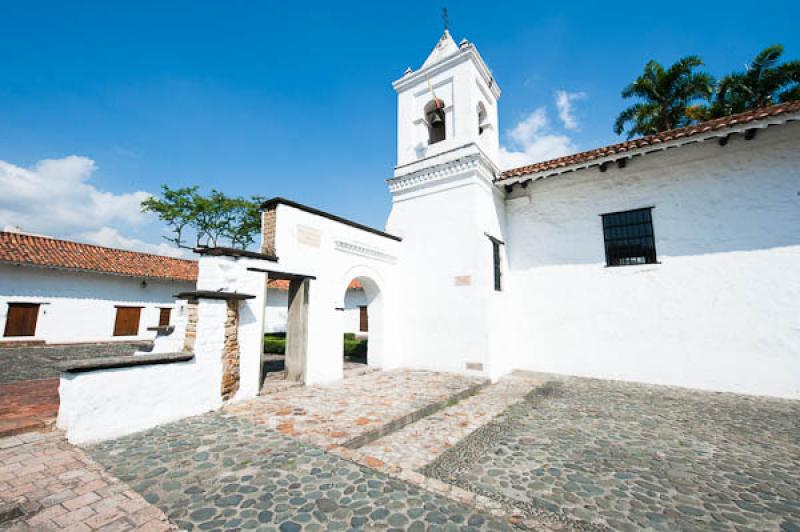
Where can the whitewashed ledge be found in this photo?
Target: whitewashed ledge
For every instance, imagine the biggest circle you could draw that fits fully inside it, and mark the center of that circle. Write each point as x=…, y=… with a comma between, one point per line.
x=124, y=361
x=110, y=397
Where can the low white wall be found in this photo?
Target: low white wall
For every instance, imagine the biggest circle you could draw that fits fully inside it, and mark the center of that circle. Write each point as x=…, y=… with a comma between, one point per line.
x=103, y=404
x=722, y=309
x=80, y=306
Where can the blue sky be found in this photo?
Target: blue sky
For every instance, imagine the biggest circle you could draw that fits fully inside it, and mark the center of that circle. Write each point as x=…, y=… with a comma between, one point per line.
x=295, y=98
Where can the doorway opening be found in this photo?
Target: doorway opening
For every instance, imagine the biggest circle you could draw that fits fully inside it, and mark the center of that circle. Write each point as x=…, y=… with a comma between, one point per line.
x=283, y=359
x=361, y=324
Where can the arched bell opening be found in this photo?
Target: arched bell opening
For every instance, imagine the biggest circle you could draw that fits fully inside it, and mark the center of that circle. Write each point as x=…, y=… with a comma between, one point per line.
x=435, y=119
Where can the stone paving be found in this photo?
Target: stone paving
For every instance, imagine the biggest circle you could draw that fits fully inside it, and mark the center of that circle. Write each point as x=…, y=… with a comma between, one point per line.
x=329, y=416
x=41, y=362
x=58, y=487
x=420, y=443
x=28, y=406
x=220, y=471
x=274, y=377
x=625, y=456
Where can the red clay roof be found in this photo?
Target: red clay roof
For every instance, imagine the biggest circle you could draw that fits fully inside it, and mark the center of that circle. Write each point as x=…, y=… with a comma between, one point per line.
x=659, y=138
x=19, y=248
x=282, y=284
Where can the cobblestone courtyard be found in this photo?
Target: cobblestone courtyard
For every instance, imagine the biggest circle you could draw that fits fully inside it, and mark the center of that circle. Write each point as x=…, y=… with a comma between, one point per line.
x=632, y=457
x=530, y=451
x=223, y=472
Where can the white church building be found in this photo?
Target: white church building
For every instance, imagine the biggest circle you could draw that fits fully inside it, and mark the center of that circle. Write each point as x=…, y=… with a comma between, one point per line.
x=670, y=259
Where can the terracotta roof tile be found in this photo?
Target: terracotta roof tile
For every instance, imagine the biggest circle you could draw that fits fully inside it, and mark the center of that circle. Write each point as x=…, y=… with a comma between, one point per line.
x=17, y=248
x=622, y=147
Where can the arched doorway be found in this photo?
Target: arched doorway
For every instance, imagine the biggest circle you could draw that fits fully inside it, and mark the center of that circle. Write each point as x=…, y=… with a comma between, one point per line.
x=362, y=322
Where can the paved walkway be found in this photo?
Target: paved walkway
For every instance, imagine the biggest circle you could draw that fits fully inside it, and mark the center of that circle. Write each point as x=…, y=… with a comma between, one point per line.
x=28, y=406
x=329, y=416
x=221, y=471
x=419, y=444
x=60, y=488
x=633, y=457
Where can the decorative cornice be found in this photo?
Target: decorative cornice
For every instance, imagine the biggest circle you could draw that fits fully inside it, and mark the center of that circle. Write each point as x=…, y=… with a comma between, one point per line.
x=363, y=250
x=468, y=51
x=440, y=172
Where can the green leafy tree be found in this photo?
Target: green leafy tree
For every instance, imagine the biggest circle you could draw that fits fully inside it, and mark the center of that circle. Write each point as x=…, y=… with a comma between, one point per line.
x=764, y=82
x=212, y=220
x=666, y=95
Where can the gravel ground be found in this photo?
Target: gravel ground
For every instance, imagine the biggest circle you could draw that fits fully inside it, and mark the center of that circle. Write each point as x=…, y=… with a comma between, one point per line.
x=35, y=363
x=222, y=472
x=632, y=457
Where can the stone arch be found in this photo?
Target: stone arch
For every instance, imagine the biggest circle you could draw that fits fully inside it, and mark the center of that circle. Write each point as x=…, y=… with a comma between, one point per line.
x=372, y=284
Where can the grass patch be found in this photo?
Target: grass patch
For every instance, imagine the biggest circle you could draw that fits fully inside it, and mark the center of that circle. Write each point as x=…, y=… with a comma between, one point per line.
x=354, y=348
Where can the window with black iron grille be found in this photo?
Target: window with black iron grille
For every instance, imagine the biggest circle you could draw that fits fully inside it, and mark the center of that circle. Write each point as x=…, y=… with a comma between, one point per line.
x=629, y=237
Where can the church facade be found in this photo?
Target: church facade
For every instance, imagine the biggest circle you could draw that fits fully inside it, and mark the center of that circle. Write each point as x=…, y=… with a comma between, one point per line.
x=671, y=259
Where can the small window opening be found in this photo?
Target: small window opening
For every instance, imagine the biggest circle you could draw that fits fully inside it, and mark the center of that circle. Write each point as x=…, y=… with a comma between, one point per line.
x=483, y=123
x=21, y=319
x=126, y=322
x=164, y=316
x=497, y=265
x=435, y=117
x=629, y=237
x=363, y=319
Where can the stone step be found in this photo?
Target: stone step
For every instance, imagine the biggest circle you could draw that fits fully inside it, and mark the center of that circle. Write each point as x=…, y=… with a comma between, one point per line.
x=9, y=512
x=412, y=417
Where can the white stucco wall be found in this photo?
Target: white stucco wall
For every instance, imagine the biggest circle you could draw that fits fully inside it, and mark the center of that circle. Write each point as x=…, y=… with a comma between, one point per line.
x=104, y=404
x=80, y=306
x=722, y=309
x=336, y=253
x=444, y=217
x=276, y=311
x=278, y=302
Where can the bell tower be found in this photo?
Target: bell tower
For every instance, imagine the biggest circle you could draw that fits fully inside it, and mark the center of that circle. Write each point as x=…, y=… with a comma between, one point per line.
x=449, y=213
x=449, y=103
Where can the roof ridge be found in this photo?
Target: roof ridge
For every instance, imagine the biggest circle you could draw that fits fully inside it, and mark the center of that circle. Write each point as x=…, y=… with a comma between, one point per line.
x=715, y=123
x=75, y=243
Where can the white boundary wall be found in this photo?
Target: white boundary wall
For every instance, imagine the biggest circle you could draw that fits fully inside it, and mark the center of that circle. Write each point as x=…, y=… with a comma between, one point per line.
x=722, y=309
x=102, y=404
x=80, y=306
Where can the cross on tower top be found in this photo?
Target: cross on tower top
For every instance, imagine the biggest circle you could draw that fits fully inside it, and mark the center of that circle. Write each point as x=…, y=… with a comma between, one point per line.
x=445, y=19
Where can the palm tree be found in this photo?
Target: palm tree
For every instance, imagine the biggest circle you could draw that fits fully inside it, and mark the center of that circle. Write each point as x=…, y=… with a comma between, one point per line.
x=666, y=95
x=763, y=83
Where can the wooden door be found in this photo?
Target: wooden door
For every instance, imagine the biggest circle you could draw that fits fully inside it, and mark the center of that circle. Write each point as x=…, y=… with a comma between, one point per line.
x=163, y=317
x=21, y=319
x=127, y=322
x=363, y=321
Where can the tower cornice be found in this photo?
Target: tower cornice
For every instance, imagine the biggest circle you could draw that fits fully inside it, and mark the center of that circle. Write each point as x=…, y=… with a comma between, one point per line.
x=466, y=52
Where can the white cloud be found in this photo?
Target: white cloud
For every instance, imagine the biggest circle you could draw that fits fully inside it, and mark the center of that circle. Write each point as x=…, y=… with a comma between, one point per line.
x=54, y=197
x=566, y=111
x=533, y=140
x=110, y=237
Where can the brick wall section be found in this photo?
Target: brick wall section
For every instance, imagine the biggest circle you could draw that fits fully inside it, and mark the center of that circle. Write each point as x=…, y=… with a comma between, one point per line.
x=230, y=353
x=191, y=326
x=269, y=219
